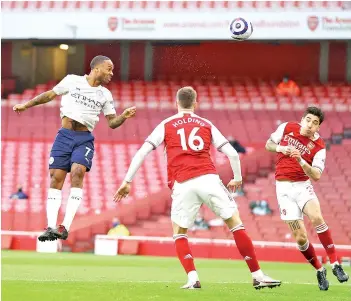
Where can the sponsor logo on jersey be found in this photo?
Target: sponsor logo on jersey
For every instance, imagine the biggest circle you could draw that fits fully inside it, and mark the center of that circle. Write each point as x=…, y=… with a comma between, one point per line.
x=86, y=101
x=297, y=144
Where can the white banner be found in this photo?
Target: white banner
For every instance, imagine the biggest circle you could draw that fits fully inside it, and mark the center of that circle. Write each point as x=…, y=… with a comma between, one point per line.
x=173, y=26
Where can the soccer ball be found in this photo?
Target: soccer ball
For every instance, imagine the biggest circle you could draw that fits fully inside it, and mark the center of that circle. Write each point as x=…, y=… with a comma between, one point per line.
x=240, y=29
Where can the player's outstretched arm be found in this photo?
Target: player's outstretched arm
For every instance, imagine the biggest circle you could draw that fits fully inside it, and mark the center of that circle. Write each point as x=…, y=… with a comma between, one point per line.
x=314, y=173
x=38, y=100
x=115, y=121
x=137, y=161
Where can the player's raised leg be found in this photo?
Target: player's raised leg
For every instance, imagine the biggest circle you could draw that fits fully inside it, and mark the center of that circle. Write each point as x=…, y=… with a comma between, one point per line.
x=59, y=165
x=74, y=200
x=247, y=251
x=81, y=162
x=313, y=211
x=53, y=203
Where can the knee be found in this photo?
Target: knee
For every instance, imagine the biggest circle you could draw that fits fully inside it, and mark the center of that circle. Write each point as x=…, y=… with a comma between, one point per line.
x=301, y=237
x=233, y=221
x=56, y=181
x=77, y=175
x=317, y=220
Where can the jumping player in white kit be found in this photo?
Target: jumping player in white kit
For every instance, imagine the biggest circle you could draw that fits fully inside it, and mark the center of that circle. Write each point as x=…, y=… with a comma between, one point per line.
x=194, y=180
x=83, y=99
x=301, y=157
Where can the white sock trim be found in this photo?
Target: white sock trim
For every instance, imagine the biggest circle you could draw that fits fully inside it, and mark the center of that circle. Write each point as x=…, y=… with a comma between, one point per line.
x=304, y=247
x=238, y=227
x=322, y=228
x=177, y=236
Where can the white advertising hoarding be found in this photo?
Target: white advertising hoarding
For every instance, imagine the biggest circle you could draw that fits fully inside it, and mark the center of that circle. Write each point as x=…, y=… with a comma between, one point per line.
x=173, y=26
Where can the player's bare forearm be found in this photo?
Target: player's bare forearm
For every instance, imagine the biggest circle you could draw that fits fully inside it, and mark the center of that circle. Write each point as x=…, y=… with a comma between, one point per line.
x=313, y=172
x=271, y=146
x=116, y=121
x=40, y=99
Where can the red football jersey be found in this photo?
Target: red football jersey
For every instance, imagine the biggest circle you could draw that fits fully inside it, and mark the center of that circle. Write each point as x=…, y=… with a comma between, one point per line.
x=312, y=151
x=187, y=139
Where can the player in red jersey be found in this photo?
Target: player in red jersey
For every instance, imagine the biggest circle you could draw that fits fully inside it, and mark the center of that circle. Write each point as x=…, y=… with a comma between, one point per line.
x=193, y=179
x=301, y=157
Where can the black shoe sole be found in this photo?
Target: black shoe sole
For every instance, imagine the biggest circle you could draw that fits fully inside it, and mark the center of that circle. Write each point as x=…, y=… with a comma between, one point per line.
x=45, y=238
x=342, y=280
x=268, y=286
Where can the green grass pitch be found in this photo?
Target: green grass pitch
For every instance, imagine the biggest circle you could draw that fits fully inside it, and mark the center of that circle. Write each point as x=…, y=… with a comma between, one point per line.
x=33, y=276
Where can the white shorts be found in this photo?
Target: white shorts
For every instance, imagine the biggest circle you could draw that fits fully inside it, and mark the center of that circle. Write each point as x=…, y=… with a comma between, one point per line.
x=187, y=198
x=292, y=198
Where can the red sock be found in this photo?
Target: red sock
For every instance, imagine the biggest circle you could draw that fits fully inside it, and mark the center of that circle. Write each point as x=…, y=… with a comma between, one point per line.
x=308, y=251
x=245, y=247
x=327, y=242
x=184, y=253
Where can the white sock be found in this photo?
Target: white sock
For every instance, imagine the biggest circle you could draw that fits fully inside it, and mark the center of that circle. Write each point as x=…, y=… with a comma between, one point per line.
x=320, y=269
x=258, y=274
x=53, y=205
x=193, y=276
x=74, y=200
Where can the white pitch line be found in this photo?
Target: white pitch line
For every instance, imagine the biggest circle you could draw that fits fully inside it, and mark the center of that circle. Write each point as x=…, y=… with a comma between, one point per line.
x=160, y=281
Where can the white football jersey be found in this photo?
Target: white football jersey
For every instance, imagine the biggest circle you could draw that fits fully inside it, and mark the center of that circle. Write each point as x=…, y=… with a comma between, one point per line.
x=82, y=102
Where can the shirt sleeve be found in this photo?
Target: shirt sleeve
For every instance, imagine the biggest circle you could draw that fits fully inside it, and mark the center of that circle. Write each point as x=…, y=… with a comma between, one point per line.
x=277, y=136
x=319, y=159
x=218, y=140
x=157, y=137
x=63, y=86
x=109, y=107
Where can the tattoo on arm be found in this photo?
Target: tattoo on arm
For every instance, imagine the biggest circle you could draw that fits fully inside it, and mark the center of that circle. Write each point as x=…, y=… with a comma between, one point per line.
x=116, y=121
x=313, y=172
x=41, y=98
x=295, y=225
x=308, y=170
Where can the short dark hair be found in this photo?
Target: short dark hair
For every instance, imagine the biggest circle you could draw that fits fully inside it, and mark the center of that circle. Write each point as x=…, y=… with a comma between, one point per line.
x=186, y=97
x=99, y=59
x=316, y=112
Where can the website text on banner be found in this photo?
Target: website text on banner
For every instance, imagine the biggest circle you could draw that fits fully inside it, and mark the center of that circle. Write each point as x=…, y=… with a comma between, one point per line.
x=174, y=26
